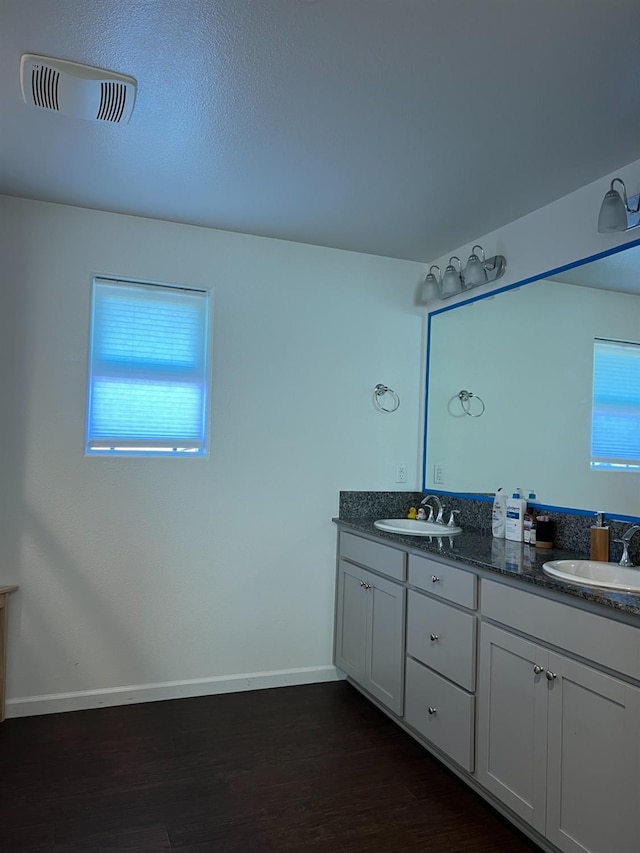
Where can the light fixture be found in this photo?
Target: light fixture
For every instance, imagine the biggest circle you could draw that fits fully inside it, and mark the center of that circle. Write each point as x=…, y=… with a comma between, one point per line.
x=475, y=272
x=479, y=270
x=617, y=212
x=452, y=278
x=431, y=285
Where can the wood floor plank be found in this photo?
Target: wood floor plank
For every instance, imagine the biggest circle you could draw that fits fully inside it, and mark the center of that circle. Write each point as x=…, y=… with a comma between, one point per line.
x=309, y=768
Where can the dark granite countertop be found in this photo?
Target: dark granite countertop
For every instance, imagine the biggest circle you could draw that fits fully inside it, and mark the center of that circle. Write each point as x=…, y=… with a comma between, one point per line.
x=514, y=559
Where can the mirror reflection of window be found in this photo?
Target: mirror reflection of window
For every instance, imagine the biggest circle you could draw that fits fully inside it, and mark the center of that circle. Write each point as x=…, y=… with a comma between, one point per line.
x=615, y=419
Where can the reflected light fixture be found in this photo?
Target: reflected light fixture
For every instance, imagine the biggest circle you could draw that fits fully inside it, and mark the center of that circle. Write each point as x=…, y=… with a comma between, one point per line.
x=617, y=212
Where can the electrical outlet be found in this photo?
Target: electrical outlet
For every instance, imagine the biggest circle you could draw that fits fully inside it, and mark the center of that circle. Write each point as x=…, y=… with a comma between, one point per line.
x=401, y=472
x=438, y=475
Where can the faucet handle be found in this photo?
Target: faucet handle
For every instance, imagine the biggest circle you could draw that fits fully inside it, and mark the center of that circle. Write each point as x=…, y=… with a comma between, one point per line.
x=452, y=520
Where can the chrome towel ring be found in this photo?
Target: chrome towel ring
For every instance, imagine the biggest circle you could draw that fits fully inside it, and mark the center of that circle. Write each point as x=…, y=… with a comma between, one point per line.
x=379, y=399
x=465, y=398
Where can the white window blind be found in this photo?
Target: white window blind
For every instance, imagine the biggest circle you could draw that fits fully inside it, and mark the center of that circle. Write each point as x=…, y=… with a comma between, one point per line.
x=615, y=434
x=148, y=370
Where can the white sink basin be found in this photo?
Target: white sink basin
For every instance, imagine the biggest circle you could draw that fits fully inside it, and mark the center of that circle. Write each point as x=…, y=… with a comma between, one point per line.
x=415, y=527
x=592, y=573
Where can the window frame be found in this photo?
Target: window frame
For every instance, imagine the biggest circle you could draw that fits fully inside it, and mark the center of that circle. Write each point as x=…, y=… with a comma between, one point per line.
x=148, y=448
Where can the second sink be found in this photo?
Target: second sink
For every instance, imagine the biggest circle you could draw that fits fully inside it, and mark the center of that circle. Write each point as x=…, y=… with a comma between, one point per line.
x=593, y=573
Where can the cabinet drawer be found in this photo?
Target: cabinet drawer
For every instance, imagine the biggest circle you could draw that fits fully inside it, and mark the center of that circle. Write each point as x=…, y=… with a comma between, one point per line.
x=381, y=558
x=442, y=637
x=604, y=641
x=444, y=581
x=450, y=725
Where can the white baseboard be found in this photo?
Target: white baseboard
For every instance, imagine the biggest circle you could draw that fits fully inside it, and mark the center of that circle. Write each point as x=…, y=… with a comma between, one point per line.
x=53, y=703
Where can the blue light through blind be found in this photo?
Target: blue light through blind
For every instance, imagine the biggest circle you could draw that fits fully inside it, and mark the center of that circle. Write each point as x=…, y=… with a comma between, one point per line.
x=615, y=434
x=148, y=370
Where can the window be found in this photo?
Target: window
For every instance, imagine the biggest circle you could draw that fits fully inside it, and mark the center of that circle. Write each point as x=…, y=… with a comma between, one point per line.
x=148, y=370
x=615, y=434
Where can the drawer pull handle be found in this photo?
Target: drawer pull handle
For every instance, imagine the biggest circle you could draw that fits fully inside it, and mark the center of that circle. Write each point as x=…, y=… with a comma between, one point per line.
x=434, y=637
x=538, y=669
x=550, y=675
x=432, y=710
x=435, y=579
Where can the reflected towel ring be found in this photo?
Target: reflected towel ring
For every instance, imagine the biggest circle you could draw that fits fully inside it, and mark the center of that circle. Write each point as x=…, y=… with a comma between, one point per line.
x=465, y=398
x=379, y=393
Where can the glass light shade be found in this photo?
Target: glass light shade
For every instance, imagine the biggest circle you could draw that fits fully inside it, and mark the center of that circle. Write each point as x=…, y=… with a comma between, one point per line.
x=430, y=288
x=451, y=281
x=474, y=272
x=613, y=213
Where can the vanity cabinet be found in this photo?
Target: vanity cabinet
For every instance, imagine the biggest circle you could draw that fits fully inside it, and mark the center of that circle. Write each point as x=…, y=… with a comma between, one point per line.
x=558, y=739
x=369, y=641
x=531, y=698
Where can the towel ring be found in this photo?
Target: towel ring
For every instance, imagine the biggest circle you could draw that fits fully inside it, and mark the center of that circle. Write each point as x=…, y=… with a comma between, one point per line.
x=465, y=398
x=379, y=393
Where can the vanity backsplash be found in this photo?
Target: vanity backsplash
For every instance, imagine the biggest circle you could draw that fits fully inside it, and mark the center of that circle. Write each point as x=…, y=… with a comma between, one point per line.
x=572, y=532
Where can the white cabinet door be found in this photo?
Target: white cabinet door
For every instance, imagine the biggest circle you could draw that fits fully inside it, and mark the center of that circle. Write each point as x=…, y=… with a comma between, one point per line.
x=512, y=722
x=385, y=642
x=593, y=784
x=351, y=621
x=370, y=633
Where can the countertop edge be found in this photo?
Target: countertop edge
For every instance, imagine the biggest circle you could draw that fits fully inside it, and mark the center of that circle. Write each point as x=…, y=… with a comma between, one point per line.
x=474, y=549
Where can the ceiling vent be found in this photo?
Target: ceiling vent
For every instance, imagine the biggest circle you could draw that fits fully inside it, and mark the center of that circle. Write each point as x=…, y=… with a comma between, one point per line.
x=76, y=90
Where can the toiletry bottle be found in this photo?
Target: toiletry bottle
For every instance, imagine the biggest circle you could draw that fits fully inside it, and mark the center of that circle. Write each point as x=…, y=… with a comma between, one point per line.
x=514, y=524
x=600, y=540
x=498, y=514
x=532, y=532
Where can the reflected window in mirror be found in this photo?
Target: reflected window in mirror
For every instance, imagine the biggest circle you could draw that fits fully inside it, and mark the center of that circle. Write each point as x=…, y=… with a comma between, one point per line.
x=615, y=427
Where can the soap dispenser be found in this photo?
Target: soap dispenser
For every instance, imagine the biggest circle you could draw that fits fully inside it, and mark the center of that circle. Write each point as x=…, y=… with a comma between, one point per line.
x=600, y=540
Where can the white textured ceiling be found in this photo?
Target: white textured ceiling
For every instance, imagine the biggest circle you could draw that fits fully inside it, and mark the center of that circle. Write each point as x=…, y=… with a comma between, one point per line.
x=398, y=127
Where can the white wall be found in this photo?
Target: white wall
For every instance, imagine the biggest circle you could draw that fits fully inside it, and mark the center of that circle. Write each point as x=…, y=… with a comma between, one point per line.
x=143, y=572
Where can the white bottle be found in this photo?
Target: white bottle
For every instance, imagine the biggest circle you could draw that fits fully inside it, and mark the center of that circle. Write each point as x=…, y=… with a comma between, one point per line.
x=514, y=524
x=498, y=514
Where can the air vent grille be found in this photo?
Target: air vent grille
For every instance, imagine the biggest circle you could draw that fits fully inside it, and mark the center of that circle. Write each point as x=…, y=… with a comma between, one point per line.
x=72, y=89
x=44, y=86
x=113, y=100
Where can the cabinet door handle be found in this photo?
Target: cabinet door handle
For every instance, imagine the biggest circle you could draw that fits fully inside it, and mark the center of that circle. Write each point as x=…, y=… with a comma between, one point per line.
x=550, y=675
x=435, y=579
x=432, y=710
x=538, y=669
x=434, y=637
x=367, y=586
x=362, y=584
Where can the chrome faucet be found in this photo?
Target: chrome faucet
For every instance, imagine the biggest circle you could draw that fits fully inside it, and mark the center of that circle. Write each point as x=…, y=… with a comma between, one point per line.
x=425, y=502
x=625, y=540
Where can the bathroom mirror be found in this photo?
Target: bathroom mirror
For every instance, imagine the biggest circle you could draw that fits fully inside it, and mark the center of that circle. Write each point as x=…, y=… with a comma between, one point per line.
x=525, y=355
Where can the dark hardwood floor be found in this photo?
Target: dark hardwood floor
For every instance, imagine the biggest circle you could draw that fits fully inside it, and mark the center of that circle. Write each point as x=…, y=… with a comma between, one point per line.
x=313, y=768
